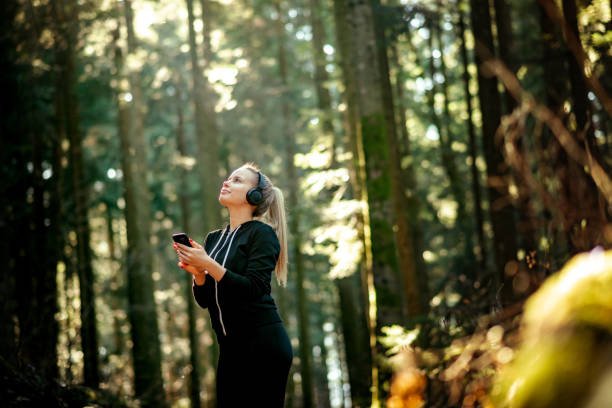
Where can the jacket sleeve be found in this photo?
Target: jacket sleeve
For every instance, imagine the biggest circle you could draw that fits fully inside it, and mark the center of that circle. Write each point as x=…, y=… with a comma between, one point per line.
x=201, y=293
x=263, y=253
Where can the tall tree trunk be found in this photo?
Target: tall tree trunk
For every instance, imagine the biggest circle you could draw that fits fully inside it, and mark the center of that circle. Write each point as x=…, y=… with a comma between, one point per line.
x=9, y=106
x=505, y=38
x=363, y=367
x=282, y=295
x=355, y=334
x=404, y=149
x=372, y=125
x=294, y=223
x=148, y=384
x=501, y=212
x=194, y=360
x=322, y=391
x=321, y=77
x=449, y=159
x=116, y=302
x=472, y=148
x=384, y=184
x=206, y=135
x=67, y=13
x=44, y=281
x=556, y=92
x=411, y=263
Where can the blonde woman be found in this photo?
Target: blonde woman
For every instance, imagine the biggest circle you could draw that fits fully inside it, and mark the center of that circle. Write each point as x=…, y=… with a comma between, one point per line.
x=232, y=276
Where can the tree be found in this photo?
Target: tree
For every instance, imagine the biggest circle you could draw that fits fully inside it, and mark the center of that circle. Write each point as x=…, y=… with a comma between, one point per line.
x=206, y=135
x=501, y=212
x=477, y=196
x=148, y=385
x=294, y=222
x=445, y=136
x=67, y=15
x=194, y=374
x=357, y=297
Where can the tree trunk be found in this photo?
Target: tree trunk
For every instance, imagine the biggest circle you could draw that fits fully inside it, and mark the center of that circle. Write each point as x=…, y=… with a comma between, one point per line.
x=502, y=213
x=115, y=284
x=355, y=334
x=411, y=263
x=294, y=223
x=9, y=192
x=503, y=21
x=206, y=135
x=412, y=199
x=449, y=159
x=194, y=360
x=148, y=384
x=322, y=391
x=321, y=78
x=361, y=360
x=472, y=148
x=67, y=14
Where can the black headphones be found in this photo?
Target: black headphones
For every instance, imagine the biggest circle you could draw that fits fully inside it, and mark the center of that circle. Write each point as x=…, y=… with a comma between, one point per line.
x=255, y=195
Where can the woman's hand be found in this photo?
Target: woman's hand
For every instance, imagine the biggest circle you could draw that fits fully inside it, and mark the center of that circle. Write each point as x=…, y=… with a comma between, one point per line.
x=193, y=259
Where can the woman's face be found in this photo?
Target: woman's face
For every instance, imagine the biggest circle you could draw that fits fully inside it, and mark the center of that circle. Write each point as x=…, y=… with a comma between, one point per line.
x=234, y=189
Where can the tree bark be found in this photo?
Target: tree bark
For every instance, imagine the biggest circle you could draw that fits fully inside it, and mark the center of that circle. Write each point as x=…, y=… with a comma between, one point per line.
x=321, y=78
x=449, y=159
x=505, y=38
x=472, y=148
x=206, y=134
x=501, y=212
x=356, y=341
x=411, y=263
x=294, y=222
x=148, y=384
x=413, y=203
x=364, y=371
x=67, y=14
x=194, y=360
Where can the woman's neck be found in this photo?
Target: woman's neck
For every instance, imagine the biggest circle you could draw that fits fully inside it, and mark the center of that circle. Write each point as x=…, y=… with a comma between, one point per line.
x=239, y=216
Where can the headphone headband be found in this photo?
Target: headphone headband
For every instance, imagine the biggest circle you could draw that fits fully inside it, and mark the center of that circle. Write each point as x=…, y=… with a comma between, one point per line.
x=261, y=182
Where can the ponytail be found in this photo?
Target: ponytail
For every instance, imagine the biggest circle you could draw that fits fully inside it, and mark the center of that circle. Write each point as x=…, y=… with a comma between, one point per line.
x=278, y=221
x=272, y=211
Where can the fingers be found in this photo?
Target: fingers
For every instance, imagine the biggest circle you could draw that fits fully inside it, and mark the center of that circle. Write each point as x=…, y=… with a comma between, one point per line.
x=195, y=244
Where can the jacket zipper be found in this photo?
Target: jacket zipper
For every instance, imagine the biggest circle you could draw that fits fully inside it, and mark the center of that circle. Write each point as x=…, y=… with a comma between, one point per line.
x=232, y=235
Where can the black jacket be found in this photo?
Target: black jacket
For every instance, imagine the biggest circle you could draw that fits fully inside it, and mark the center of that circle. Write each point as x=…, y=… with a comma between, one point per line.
x=241, y=299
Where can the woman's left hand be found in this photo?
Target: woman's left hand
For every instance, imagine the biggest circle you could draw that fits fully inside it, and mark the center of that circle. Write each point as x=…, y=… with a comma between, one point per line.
x=195, y=256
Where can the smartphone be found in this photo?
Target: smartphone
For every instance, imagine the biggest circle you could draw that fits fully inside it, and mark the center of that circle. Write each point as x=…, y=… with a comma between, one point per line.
x=181, y=238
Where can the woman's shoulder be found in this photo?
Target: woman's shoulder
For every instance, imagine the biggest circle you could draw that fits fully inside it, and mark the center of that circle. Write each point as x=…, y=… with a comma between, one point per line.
x=213, y=234
x=258, y=226
x=261, y=231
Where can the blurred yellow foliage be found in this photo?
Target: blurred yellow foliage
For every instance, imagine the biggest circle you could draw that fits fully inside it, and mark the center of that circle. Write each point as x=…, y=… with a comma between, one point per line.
x=565, y=358
x=408, y=385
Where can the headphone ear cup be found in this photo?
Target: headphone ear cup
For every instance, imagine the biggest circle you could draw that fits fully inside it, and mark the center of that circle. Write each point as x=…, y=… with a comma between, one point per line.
x=254, y=196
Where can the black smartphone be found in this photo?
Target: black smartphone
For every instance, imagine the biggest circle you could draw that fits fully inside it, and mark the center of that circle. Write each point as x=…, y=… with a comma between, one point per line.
x=181, y=238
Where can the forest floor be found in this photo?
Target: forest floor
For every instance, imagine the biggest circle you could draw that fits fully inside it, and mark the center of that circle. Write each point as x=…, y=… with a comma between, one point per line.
x=22, y=387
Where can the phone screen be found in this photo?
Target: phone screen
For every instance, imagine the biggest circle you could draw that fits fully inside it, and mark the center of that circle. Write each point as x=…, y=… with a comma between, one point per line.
x=181, y=238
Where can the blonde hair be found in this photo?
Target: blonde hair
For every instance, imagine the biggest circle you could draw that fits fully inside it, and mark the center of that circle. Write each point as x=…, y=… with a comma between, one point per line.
x=272, y=211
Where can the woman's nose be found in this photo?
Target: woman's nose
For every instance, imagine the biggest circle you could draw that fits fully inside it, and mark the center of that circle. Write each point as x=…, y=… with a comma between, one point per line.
x=225, y=183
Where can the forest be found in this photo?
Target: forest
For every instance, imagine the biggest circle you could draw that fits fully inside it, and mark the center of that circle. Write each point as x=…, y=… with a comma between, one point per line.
x=446, y=168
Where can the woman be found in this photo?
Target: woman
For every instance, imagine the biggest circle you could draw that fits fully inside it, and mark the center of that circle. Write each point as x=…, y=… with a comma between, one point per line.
x=232, y=278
